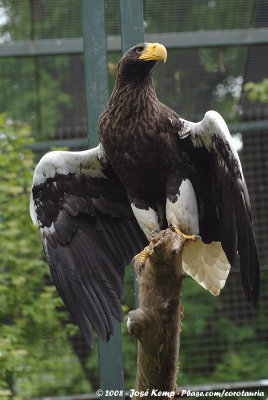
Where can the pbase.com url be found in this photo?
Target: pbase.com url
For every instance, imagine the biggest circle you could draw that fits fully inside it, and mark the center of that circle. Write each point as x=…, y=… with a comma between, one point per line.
x=183, y=393
x=224, y=393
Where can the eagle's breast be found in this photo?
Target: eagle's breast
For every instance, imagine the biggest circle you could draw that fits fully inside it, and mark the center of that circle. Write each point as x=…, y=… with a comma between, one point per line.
x=141, y=153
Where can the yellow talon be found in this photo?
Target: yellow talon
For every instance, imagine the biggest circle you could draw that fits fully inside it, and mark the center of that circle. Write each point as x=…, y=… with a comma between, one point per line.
x=192, y=237
x=177, y=230
x=143, y=256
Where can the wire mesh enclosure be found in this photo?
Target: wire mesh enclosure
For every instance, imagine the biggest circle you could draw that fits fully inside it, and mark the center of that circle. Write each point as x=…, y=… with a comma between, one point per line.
x=222, y=339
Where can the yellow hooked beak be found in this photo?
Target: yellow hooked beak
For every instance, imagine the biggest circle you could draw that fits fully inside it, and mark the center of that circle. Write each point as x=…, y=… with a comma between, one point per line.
x=154, y=51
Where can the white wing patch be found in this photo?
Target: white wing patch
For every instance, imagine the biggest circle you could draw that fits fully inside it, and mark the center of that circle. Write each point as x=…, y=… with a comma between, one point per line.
x=88, y=162
x=64, y=162
x=202, y=134
x=207, y=264
x=184, y=212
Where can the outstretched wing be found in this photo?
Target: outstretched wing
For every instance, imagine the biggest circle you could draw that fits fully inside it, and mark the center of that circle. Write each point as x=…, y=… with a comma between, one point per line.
x=89, y=235
x=222, y=195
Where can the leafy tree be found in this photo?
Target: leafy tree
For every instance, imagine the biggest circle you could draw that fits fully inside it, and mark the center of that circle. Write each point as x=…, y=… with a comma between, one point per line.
x=33, y=88
x=37, y=339
x=22, y=100
x=34, y=346
x=257, y=91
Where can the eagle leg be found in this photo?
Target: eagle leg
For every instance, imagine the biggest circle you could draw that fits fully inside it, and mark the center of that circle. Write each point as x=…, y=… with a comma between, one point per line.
x=176, y=229
x=143, y=257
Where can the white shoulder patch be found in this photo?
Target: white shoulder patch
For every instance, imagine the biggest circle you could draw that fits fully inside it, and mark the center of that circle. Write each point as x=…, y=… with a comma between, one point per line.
x=86, y=162
x=201, y=132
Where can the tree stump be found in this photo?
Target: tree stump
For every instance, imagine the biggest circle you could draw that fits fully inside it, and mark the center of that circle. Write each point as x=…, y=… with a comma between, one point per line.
x=156, y=323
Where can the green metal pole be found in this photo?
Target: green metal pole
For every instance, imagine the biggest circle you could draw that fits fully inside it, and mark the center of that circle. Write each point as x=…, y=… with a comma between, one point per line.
x=95, y=52
x=131, y=23
x=131, y=33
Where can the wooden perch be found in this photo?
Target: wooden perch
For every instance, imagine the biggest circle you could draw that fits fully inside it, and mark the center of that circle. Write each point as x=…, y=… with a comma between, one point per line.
x=156, y=323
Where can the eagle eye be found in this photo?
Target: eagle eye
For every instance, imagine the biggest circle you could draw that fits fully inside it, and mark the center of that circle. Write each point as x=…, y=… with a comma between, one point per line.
x=139, y=50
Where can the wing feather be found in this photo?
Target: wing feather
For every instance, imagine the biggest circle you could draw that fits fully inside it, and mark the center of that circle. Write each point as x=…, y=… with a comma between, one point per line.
x=209, y=146
x=228, y=222
x=89, y=234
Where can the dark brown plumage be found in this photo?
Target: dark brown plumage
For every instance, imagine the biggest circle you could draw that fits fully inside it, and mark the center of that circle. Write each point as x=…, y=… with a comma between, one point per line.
x=136, y=132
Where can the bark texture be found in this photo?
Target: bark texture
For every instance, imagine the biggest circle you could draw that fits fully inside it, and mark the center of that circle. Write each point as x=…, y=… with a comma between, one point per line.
x=156, y=323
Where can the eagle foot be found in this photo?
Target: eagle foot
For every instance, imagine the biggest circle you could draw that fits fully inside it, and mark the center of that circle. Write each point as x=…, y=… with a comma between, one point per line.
x=143, y=257
x=176, y=229
x=154, y=231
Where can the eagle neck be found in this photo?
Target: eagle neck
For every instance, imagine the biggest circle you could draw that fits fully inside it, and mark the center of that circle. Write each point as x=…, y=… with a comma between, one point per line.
x=137, y=91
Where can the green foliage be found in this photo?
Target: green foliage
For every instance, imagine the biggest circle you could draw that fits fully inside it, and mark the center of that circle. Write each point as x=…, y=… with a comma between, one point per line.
x=21, y=96
x=39, y=25
x=229, y=351
x=191, y=76
x=195, y=15
x=257, y=91
x=37, y=89
x=32, y=88
x=33, y=346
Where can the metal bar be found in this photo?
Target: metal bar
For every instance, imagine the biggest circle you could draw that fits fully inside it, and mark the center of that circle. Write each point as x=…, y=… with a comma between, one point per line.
x=175, y=40
x=241, y=127
x=46, y=47
x=42, y=147
x=111, y=366
x=132, y=32
x=248, y=126
x=131, y=13
x=41, y=47
x=97, y=92
x=95, y=54
x=215, y=38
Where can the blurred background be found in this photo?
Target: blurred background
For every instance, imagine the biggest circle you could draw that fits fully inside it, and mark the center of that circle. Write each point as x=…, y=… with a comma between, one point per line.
x=217, y=59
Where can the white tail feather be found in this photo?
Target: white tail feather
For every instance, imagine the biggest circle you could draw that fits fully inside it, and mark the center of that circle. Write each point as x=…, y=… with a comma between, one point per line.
x=207, y=264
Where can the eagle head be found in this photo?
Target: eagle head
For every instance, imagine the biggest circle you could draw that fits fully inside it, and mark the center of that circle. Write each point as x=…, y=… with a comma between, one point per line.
x=138, y=61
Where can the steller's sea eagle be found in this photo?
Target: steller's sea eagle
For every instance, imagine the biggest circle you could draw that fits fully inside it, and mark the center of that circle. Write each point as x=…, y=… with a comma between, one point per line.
x=97, y=208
